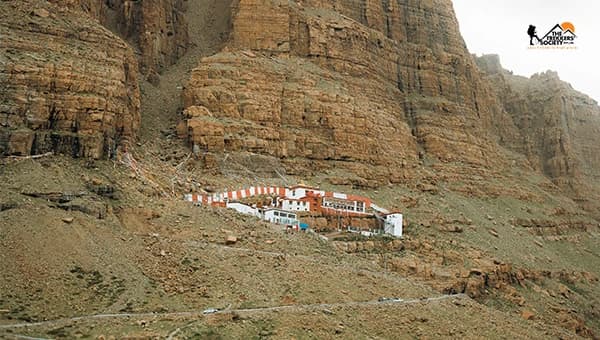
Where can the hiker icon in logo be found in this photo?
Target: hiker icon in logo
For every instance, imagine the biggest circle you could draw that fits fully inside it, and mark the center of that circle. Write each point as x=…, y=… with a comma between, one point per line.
x=532, y=34
x=559, y=36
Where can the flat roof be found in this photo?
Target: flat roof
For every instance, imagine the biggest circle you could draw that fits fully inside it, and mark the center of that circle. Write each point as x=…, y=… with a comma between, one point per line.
x=277, y=209
x=303, y=186
x=302, y=199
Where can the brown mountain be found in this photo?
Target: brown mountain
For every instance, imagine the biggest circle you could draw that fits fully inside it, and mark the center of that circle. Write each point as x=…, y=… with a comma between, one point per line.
x=140, y=101
x=68, y=86
x=557, y=127
x=344, y=83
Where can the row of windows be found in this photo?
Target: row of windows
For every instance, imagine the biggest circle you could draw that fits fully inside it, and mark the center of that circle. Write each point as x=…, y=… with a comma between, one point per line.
x=282, y=220
x=345, y=205
x=282, y=214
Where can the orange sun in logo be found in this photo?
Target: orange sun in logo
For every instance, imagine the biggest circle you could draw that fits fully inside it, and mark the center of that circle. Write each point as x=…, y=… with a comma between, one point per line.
x=568, y=26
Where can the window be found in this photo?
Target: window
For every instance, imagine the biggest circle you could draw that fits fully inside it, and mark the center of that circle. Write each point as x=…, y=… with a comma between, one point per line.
x=276, y=213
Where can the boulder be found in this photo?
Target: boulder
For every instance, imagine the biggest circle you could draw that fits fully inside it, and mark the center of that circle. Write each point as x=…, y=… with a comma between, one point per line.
x=41, y=12
x=527, y=314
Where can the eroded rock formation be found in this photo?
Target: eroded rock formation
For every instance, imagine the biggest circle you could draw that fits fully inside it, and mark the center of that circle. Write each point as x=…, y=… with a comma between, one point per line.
x=68, y=84
x=367, y=87
x=94, y=8
x=157, y=27
x=557, y=126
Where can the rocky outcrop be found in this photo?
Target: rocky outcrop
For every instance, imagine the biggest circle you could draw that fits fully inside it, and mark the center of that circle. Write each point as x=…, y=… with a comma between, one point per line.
x=68, y=84
x=157, y=27
x=96, y=9
x=557, y=126
x=292, y=110
x=352, y=83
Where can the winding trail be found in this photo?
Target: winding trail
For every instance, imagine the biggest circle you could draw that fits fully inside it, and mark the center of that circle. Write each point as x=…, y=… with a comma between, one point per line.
x=243, y=311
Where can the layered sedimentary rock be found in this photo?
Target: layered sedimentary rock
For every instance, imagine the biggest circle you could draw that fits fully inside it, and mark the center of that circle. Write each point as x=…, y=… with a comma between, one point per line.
x=348, y=81
x=294, y=110
x=157, y=27
x=68, y=84
x=94, y=8
x=558, y=127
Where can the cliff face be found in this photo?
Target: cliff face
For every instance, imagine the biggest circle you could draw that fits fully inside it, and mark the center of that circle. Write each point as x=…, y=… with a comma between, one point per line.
x=557, y=126
x=319, y=81
x=69, y=85
x=95, y=9
x=157, y=27
x=373, y=87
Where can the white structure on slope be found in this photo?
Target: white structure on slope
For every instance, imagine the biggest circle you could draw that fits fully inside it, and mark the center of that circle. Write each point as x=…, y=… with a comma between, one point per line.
x=280, y=216
x=300, y=191
x=291, y=204
x=243, y=208
x=392, y=224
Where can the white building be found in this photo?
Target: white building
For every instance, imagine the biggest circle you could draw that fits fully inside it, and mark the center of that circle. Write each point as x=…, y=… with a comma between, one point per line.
x=393, y=224
x=300, y=191
x=295, y=205
x=243, y=208
x=343, y=203
x=280, y=216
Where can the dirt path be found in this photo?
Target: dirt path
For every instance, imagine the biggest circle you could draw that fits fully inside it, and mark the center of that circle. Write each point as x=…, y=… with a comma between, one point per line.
x=25, y=337
x=243, y=311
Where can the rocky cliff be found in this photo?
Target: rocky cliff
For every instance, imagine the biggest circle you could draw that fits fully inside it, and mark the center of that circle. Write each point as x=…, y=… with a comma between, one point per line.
x=358, y=94
x=95, y=9
x=558, y=127
x=68, y=84
x=374, y=88
x=157, y=27
x=366, y=87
